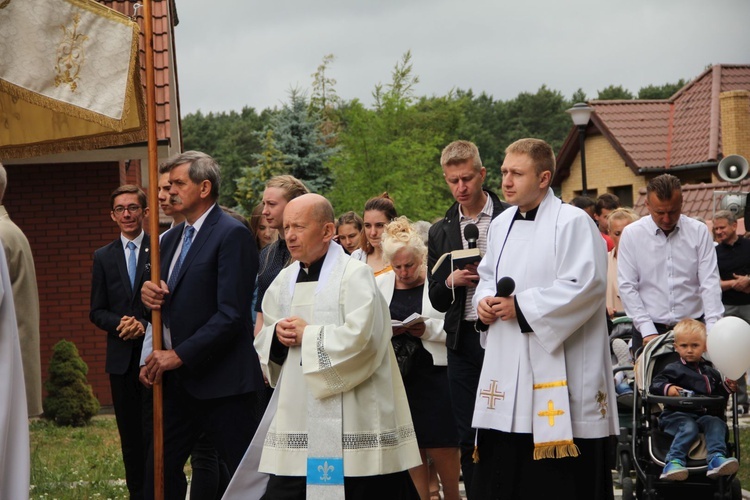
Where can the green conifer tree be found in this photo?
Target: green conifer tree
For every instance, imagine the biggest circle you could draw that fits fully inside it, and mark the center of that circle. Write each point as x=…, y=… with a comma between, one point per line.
x=70, y=400
x=297, y=134
x=250, y=186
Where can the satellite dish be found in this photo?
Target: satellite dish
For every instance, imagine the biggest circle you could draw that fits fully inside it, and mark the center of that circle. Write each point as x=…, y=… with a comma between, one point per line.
x=733, y=168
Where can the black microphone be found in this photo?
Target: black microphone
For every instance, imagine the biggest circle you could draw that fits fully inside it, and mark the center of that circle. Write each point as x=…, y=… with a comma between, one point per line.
x=505, y=287
x=471, y=233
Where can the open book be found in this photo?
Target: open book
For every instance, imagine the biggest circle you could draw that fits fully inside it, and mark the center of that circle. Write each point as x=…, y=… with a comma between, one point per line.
x=411, y=320
x=442, y=268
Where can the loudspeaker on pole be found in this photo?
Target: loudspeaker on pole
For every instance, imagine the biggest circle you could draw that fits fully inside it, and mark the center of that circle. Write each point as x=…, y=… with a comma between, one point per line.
x=733, y=168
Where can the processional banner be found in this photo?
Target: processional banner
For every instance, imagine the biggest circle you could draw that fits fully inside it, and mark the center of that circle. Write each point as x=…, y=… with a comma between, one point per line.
x=69, y=78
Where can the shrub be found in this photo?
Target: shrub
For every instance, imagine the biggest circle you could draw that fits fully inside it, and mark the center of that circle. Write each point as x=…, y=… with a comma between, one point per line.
x=70, y=400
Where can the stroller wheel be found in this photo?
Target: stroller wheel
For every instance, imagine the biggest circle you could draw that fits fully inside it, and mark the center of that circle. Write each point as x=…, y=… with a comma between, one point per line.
x=625, y=465
x=736, y=489
x=627, y=489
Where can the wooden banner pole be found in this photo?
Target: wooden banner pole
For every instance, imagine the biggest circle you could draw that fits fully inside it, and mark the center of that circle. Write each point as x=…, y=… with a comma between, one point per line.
x=153, y=201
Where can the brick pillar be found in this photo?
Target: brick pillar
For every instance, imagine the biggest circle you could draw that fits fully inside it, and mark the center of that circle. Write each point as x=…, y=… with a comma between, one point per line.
x=735, y=123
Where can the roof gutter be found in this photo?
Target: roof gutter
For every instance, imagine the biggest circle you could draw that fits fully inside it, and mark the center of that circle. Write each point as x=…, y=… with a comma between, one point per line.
x=679, y=168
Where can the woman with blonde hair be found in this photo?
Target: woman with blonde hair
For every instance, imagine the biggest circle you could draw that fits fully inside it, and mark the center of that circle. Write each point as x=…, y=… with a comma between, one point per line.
x=617, y=220
x=421, y=354
x=379, y=211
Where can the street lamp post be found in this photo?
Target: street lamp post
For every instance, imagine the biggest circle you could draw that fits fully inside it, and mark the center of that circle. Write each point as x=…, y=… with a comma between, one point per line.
x=580, y=113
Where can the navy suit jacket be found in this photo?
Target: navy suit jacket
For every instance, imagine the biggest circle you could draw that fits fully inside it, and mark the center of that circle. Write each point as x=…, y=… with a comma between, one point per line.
x=112, y=297
x=209, y=308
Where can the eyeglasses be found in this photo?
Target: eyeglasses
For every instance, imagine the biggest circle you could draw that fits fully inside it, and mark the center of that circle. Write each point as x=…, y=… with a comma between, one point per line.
x=133, y=209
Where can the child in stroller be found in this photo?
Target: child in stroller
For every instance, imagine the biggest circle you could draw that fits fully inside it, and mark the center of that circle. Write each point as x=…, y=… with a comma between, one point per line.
x=685, y=377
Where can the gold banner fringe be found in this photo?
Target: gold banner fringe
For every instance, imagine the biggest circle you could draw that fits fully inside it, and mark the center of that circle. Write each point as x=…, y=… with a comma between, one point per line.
x=558, y=449
x=73, y=144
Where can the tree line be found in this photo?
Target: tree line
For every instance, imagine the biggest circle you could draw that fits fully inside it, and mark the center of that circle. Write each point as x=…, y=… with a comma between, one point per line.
x=349, y=151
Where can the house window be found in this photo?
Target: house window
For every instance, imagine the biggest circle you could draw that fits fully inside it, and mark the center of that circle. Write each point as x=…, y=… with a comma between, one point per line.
x=624, y=193
x=591, y=193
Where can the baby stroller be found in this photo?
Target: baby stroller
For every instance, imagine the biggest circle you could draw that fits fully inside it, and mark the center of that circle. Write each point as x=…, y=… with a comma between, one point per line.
x=650, y=445
x=622, y=367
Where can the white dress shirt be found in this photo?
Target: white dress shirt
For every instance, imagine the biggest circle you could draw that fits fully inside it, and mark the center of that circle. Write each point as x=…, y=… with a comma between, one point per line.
x=138, y=241
x=667, y=278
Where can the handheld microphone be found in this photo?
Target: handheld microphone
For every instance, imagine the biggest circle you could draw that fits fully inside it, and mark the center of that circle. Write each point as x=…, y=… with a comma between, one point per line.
x=505, y=287
x=471, y=233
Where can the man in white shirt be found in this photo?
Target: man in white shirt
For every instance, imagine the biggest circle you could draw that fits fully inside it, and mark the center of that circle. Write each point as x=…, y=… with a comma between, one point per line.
x=667, y=268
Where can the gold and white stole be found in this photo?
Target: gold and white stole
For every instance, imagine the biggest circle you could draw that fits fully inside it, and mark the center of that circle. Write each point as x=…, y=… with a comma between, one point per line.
x=551, y=420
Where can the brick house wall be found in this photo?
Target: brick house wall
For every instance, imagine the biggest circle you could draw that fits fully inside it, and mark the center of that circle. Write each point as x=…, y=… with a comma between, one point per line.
x=735, y=123
x=64, y=211
x=605, y=169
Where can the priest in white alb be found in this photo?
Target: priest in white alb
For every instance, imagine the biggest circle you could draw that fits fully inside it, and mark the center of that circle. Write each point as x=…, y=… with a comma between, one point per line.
x=545, y=407
x=14, y=422
x=342, y=426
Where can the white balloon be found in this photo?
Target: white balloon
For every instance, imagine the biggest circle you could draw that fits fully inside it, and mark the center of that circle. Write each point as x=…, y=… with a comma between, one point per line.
x=729, y=346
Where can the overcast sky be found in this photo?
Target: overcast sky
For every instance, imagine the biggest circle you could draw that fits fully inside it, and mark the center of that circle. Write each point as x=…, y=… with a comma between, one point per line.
x=236, y=53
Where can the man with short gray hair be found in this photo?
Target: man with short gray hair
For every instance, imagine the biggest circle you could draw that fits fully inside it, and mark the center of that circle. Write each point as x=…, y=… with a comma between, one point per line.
x=208, y=365
x=733, y=256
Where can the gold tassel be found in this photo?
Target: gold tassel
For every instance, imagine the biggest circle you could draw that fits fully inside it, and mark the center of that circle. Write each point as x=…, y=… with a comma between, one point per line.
x=568, y=449
x=475, y=455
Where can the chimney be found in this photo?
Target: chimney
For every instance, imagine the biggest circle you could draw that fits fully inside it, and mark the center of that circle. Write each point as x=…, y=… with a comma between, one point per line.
x=735, y=123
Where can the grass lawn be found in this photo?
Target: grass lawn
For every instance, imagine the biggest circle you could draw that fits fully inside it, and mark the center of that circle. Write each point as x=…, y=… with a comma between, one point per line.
x=85, y=463
x=76, y=462
x=744, y=473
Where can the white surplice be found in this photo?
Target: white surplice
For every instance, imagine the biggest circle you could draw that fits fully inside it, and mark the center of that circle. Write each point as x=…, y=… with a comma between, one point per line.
x=14, y=422
x=354, y=359
x=558, y=262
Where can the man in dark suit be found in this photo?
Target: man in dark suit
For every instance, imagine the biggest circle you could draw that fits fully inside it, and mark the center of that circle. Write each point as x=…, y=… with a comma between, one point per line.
x=209, y=366
x=464, y=174
x=120, y=269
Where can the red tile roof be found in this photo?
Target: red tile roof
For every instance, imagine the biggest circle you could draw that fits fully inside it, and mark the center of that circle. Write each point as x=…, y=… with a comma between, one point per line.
x=641, y=128
x=162, y=34
x=681, y=130
x=661, y=134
